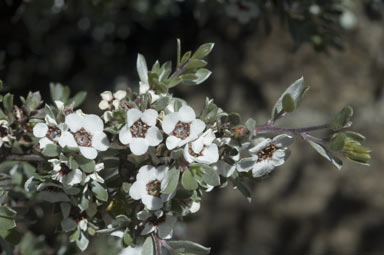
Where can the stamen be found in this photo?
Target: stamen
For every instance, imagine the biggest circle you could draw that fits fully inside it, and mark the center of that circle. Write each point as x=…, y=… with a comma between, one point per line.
x=83, y=138
x=153, y=188
x=182, y=130
x=139, y=129
x=156, y=221
x=53, y=132
x=266, y=153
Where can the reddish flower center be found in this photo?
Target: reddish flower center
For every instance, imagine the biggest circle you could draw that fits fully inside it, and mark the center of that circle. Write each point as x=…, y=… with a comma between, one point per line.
x=182, y=130
x=139, y=129
x=266, y=153
x=83, y=138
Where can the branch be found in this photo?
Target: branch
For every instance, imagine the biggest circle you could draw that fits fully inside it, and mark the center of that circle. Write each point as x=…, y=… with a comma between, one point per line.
x=179, y=70
x=295, y=131
x=32, y=157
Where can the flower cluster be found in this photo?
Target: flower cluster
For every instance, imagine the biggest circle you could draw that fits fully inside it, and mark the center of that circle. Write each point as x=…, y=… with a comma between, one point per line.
x=148, y=161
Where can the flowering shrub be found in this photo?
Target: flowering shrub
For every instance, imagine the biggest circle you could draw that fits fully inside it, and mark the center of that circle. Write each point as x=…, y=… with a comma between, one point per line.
x=145, y=164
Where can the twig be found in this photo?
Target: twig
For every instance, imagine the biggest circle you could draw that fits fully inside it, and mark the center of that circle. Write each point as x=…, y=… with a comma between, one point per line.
x=32, y=157
x=180, y=70
x=295, y=131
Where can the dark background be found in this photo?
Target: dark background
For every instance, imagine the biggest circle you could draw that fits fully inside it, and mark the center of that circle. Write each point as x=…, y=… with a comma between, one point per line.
x=307, y=206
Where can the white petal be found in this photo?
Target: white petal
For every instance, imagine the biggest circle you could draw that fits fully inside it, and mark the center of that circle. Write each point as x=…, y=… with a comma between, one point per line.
x=187, y=114
x=120, y=94
x=67, y=139
x=144, y=87
x=74, y=122
x=172, y=142
x=210, y=155
x=59, y=105
x=93, y=123
x=262, y=168
x=197, y=146
x=153, y=136
x=197, y=127
x=116, y=103
x=151, y=202
x=170, y=122
x=103, y=105
x=74, y=177
x=246, y=164
x=88, y=152
x=50, y=121
x=262, y=143
x=278, y=158
x=106, y=95
x=100, y=141
x=132, y=116
x=150, y=117
x=209, y=136
x=187, y=156
x=44, y=142
x=40, y=130
x=137, y=189
x=125, y=135
x=282, y=140
x=138, y=146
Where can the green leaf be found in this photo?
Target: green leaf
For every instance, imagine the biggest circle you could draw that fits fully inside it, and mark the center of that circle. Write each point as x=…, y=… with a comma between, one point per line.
x=171, y=181
x=68, y=225
x=288, y=103
x=202, y=75
x=142, y=68
x=87, y=165
x=33, y=101
x=342, y=119
x=174, y=82
x=188, y=247
x=250, y=124
x=326, y=154
x=100, y=192
x=49, y=112
x=296, y=92
x=185, y=57
x=162, y=103
x=203, y=51
x=1, y=85
x=7, y=218
x=355, y=136
x=128, y=239
x=8, y=103
x=57, y=91
x=148, y=247
x=78, y=99
x=337, y=142
x=242, y=188
x=51, y=150
x=196, y=63
x=72, y=163
x=210, y=176
x=75, y=235
x=188, y=181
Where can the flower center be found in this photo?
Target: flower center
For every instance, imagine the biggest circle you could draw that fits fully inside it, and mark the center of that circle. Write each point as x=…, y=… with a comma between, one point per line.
x=64, y=169
x=3, y=131
x=182, y=130
x=156, y=221
x=153, y=188
x=76, y=214
x=266, y=153
x=83, y=138
x=53, y=132
x=193, y=154
x=139, y=129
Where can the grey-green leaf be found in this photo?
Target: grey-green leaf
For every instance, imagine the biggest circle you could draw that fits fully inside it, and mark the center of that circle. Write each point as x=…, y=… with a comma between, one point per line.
x=7, y=216
x=142, y=68
x=78, y=99
x=82, y=242
x=99, y=191
x=8, y=103
x=87, y=165
x=202, y=75
x=326, y=154
x=203, y=51
x=148, y=247
x=51, y=150
x=189, y=247
x=210, y=176
x=171, y=180
x=288, y=103
x=296, y=90
x=188, y=181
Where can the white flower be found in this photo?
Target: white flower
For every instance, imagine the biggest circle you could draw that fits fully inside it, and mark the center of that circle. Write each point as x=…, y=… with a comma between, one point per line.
x=182, y=127
x=147, y=186
x=159, y=222
x=140, y=132
x=266, y=155
x=111, y=102
x=95, y=175
x=202, y=150
x=50, y=132
x=63, y=173
x=5, y=136
x=87, y=134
